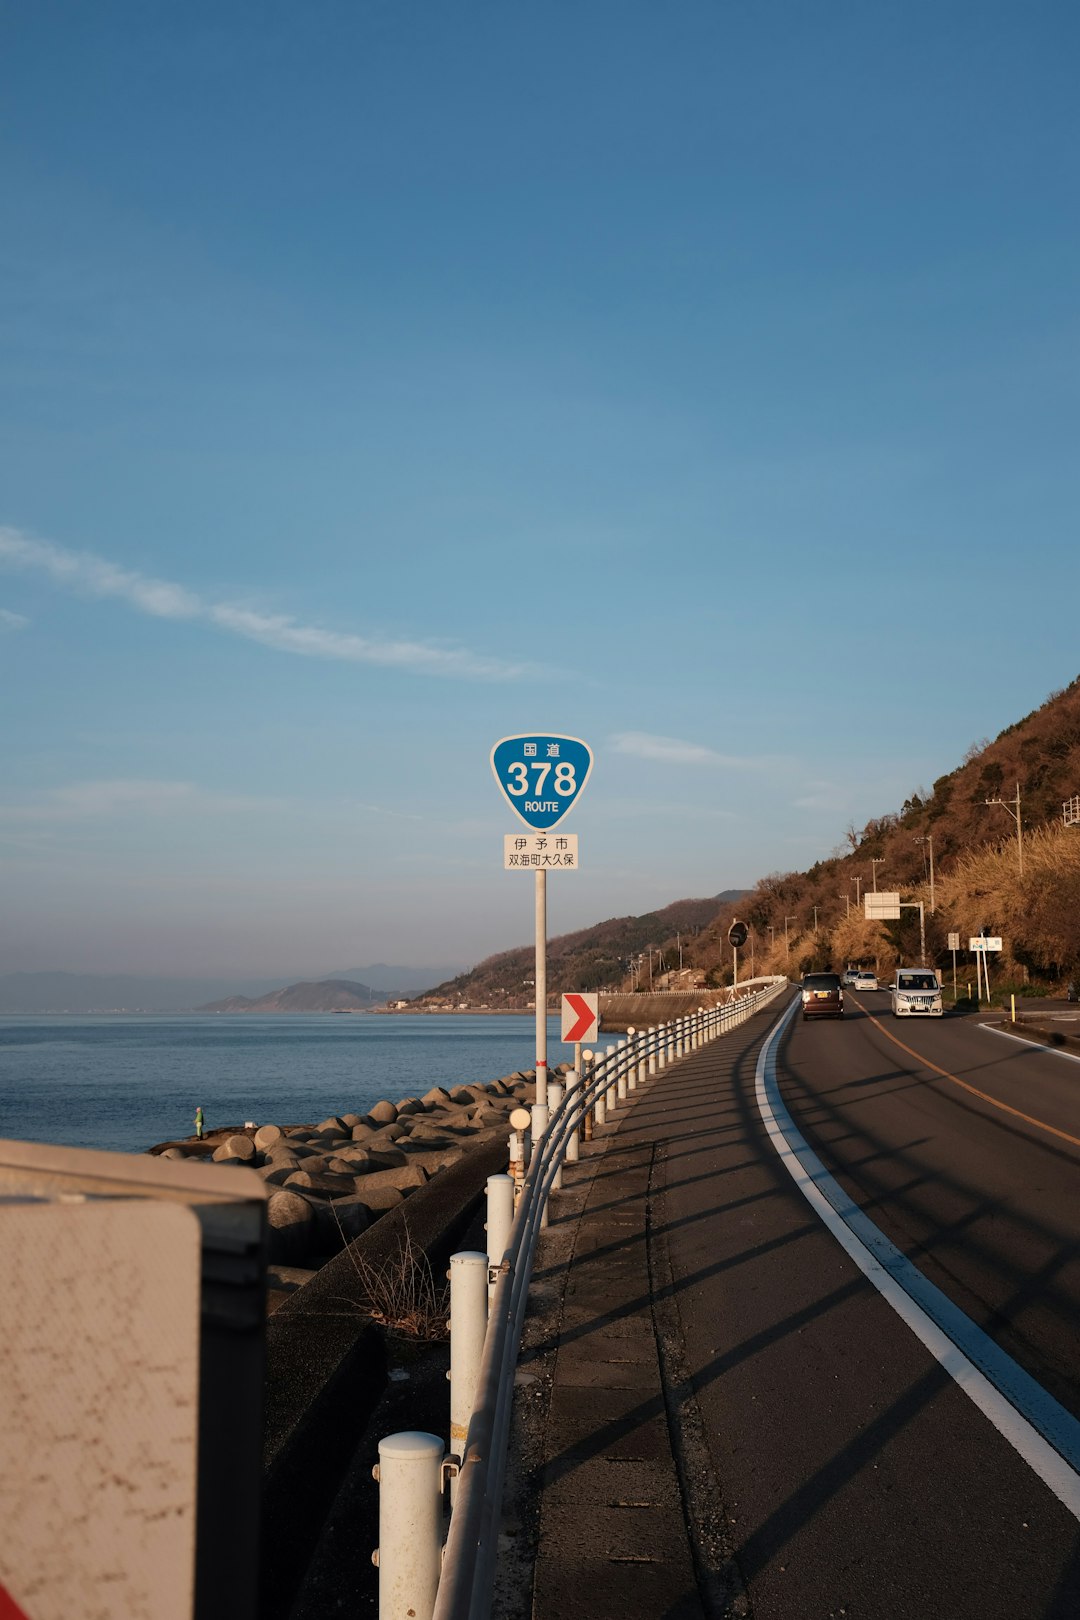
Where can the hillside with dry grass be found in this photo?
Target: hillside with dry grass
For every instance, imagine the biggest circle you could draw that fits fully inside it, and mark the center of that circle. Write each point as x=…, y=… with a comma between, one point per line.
x=815, y=918
x=607, y=956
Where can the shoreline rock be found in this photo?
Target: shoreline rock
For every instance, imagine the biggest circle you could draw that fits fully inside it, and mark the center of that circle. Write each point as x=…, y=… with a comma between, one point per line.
x=327, y=1183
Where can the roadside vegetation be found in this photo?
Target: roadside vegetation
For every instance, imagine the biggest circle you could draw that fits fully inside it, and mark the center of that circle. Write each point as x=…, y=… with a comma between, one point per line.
x=815, y=919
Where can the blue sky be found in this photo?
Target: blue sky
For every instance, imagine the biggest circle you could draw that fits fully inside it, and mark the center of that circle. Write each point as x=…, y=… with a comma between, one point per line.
x=378, y=380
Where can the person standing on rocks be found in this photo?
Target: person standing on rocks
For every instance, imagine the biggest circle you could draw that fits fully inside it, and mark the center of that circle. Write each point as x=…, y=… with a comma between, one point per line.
x=199, y=1124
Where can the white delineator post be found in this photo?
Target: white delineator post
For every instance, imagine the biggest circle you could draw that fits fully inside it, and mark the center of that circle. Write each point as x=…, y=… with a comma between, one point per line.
x=468, y=1324
x=409, y=1554
x=500, y=1218
x=519, y=1124
x=541, y=985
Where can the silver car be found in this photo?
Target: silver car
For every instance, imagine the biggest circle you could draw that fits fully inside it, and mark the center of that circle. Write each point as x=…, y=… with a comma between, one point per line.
x=916, y=993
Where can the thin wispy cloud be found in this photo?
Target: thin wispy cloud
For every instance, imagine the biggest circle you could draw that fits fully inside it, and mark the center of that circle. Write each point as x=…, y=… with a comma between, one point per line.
x=821, y=796
x=673, y=750
x=89, y=575
x=12, y=621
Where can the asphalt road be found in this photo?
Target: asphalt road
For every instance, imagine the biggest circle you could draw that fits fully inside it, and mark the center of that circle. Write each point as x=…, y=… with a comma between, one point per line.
x=857, y=1477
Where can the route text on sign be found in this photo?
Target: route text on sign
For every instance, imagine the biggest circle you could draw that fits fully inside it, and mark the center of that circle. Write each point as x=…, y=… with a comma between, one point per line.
x=541, y=776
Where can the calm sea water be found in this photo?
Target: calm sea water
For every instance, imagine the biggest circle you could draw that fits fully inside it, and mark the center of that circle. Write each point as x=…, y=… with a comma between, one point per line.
x=127, y=1082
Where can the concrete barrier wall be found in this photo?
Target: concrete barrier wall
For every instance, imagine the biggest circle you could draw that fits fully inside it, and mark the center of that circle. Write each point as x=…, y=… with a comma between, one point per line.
x=642, y=1010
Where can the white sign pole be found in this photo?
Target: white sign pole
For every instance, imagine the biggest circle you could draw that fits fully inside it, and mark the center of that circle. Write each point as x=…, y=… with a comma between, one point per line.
x=541, y=986
x=541, y=777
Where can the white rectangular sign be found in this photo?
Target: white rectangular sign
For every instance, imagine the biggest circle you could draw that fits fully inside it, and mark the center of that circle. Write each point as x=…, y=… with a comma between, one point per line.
x=954, y=942
x=883, y=906
x=991, y=944
x=540, y=852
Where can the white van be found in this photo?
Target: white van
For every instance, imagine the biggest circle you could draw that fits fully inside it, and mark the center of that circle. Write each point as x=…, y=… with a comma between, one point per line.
x=916, y=993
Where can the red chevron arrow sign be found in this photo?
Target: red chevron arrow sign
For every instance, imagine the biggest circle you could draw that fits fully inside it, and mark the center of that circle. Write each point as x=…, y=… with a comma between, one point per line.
x=580, y=1018
x=9, y=1609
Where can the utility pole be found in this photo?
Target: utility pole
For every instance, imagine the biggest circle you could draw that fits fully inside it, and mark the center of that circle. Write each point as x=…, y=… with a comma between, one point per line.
x=846, y=898
x=1013, y=807
x=858, y=895
x=815, y=919
x=772, y=935
x=875, y=863
x=929, y=841
x=787, y=948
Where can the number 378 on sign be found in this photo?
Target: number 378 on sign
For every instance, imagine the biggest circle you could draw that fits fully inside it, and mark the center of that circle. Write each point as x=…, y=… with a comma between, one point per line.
x=541, y=776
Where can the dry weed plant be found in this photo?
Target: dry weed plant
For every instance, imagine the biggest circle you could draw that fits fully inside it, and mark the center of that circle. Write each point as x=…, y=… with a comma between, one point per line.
x=400, y=1291
x=1038, y=914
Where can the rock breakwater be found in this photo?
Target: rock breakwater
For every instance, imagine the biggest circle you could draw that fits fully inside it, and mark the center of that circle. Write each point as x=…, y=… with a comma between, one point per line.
x=328, y=1182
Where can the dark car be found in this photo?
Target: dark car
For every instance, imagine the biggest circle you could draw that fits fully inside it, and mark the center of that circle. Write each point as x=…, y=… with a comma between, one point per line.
x=822, y=996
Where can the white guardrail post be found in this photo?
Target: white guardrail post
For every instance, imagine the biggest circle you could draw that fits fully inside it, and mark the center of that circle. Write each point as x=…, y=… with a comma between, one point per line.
x=500, y=1218
x=540, y=1117
x=599, y=1107
x=412, y=1465
x=468, y=1323
x=519, y=1121
x=573, y=1091
x=588, y=1074
x=409, y=1554
x=555, y=1097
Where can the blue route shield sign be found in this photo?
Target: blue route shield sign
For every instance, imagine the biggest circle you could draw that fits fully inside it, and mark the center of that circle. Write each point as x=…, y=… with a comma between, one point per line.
x=541, y=776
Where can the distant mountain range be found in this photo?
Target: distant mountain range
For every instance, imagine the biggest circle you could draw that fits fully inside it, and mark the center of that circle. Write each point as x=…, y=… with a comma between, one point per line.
x=127, y=992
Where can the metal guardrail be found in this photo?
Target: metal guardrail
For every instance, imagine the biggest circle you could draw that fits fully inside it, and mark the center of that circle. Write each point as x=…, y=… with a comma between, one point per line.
x=418, y=1578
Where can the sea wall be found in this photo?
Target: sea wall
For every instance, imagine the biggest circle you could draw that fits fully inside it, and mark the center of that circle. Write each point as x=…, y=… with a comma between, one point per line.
x=644, y=1009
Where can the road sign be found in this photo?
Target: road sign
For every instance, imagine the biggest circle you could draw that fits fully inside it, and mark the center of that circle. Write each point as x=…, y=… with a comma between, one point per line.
x=541, y=776
x=982, y=943
x=580, y=1018
x=882, y=906
x=738, y=934
x=954, y=942
x=540, y=852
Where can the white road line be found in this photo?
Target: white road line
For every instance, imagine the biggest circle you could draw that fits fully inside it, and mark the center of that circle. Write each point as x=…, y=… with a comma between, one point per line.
x=1044, y=1434
x=1055, y=1051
